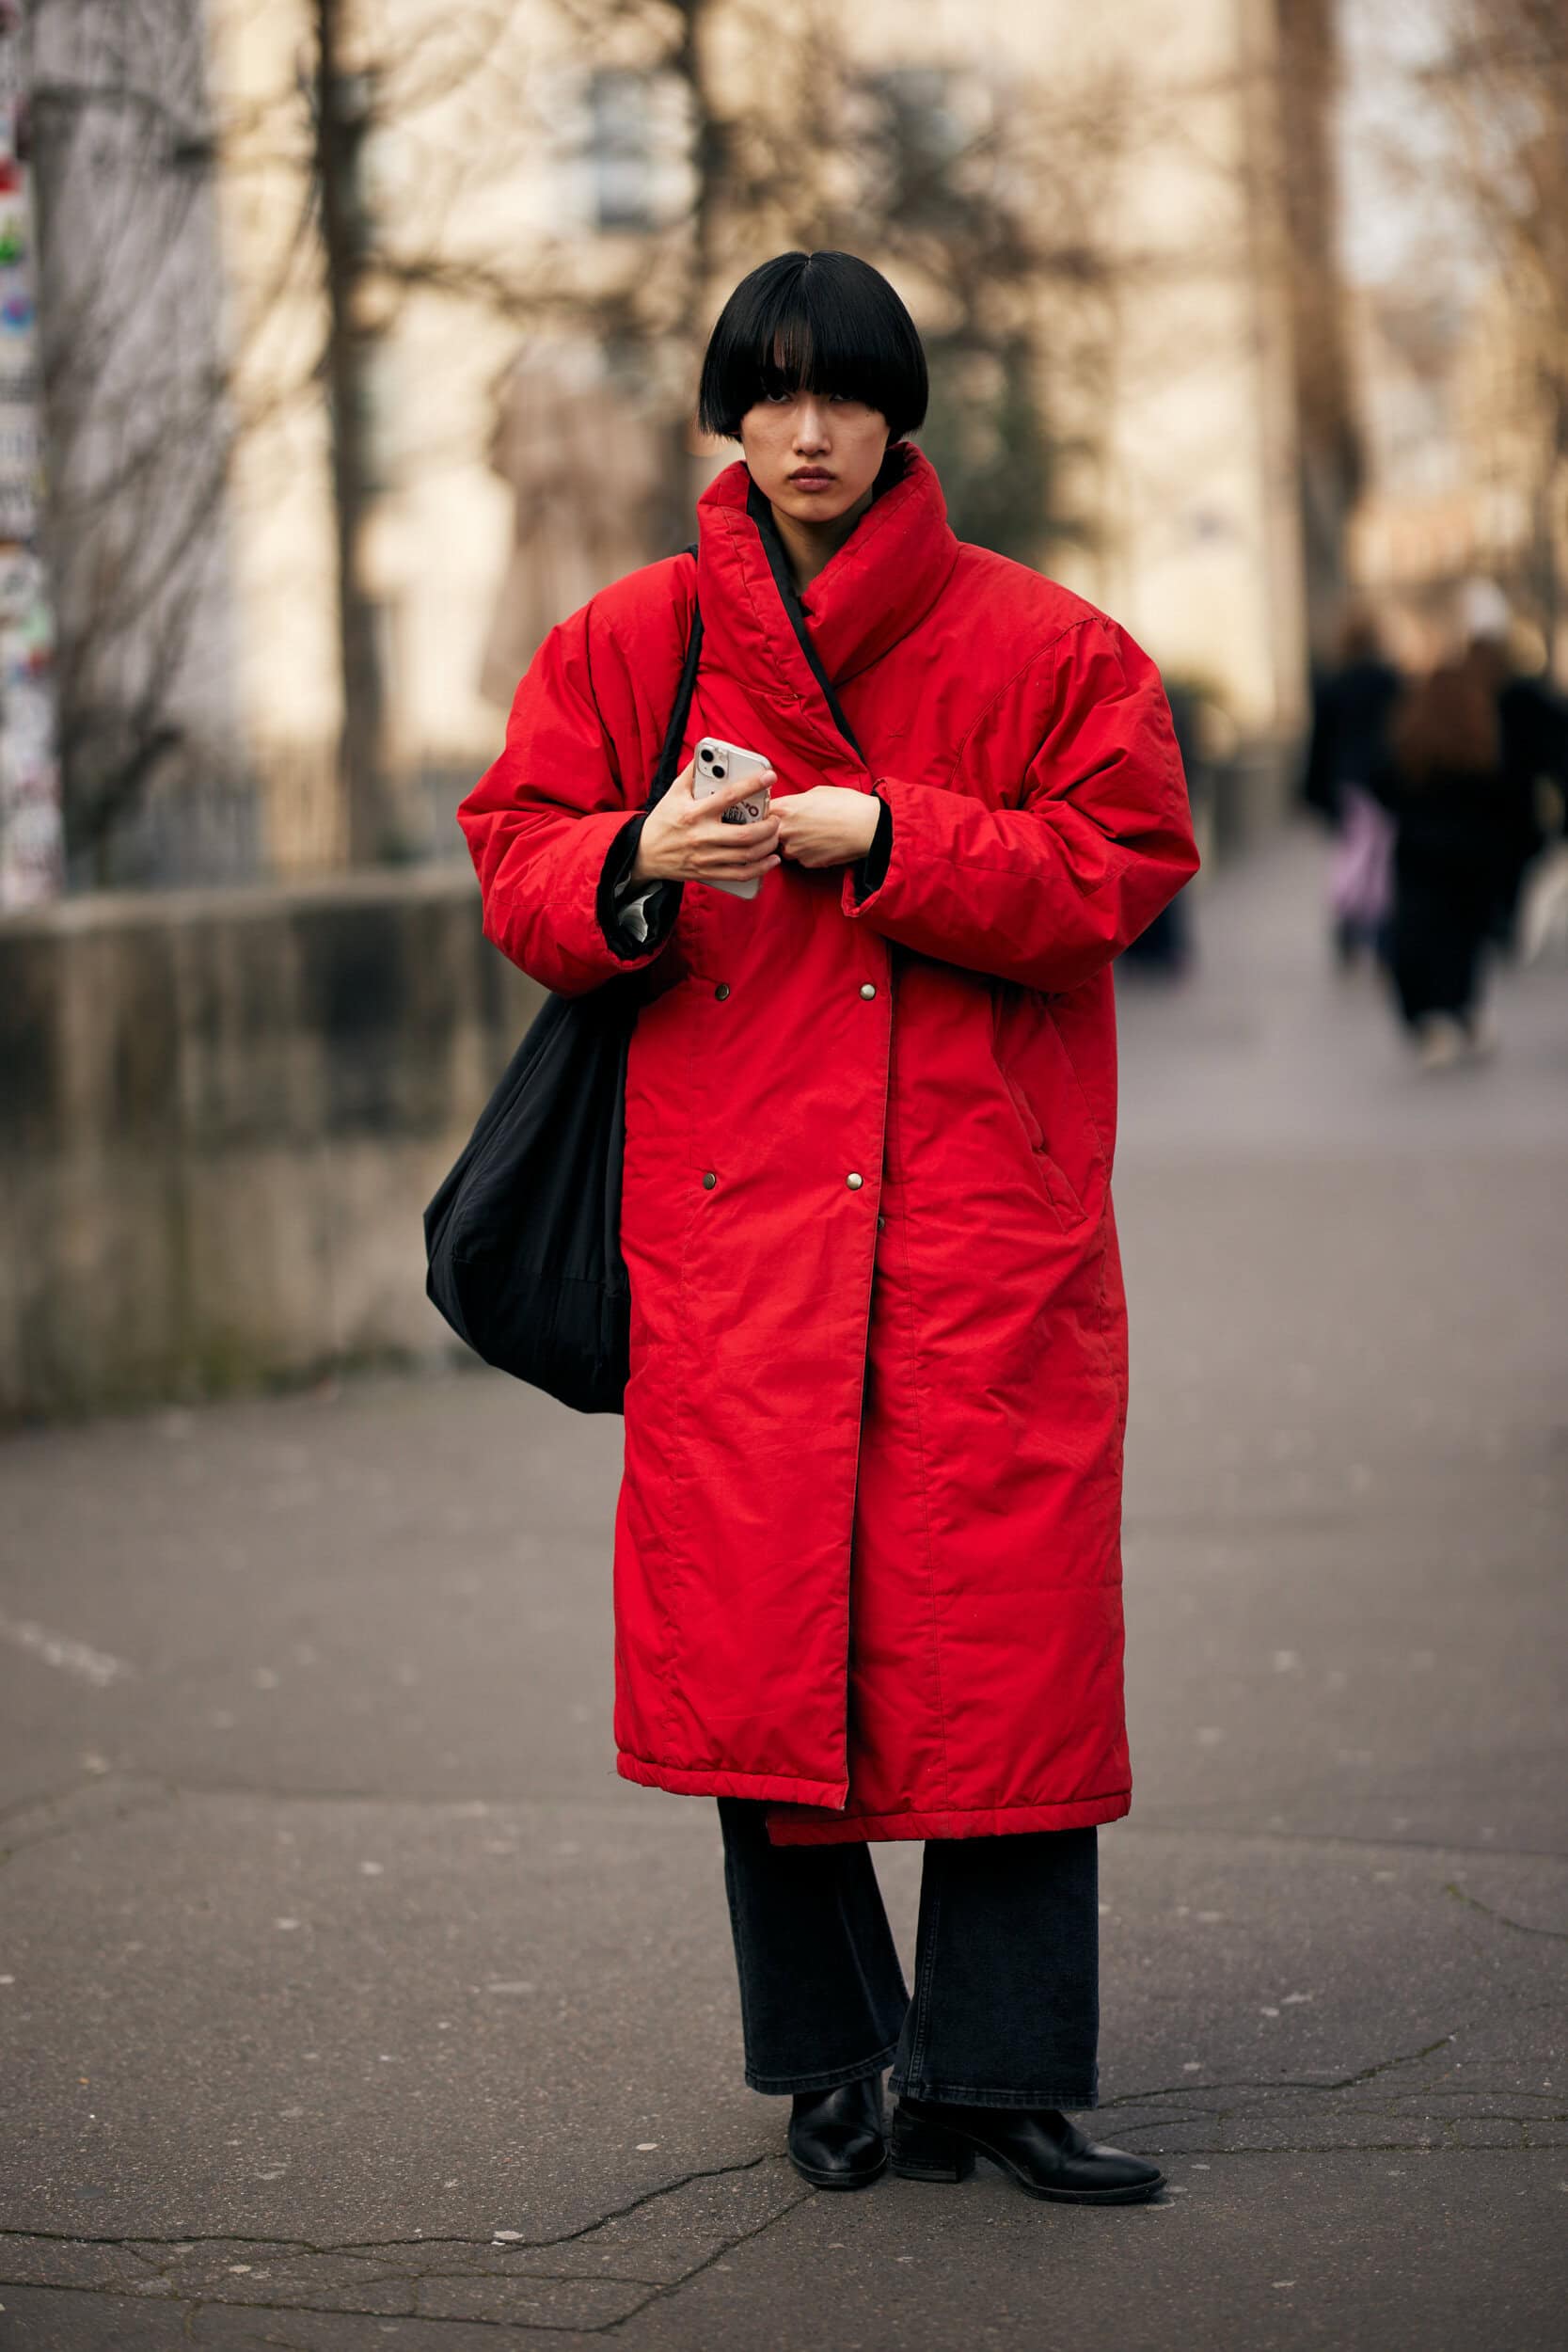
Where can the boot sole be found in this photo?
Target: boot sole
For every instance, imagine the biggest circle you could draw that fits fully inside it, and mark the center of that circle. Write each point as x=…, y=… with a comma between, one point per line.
x=1137, y=2195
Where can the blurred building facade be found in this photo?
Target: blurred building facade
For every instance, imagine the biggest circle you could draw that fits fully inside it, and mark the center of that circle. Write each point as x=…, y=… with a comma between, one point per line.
x=526, y=235
x=518, y=432
x=1466, y=471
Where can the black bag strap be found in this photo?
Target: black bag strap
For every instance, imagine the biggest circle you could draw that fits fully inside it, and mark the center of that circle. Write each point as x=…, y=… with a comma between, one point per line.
x=670, y=757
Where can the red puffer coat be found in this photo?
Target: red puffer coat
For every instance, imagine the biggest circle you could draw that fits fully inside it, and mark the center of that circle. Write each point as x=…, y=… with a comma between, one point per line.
x=868, y=1545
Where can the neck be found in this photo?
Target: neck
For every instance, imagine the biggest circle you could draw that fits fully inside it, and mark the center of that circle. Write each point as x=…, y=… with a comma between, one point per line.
x=809, y=546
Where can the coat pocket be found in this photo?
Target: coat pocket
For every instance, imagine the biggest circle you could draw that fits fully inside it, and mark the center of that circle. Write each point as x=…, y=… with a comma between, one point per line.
x=1058, y=1188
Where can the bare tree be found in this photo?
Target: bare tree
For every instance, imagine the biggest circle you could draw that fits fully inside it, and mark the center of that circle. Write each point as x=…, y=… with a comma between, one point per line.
x=343, y=111
x=137, y=426
x=1502, y=74
x=1463, y=135
x=31, y=844
x=985, y=194
x=980, y=193
x=975, y=194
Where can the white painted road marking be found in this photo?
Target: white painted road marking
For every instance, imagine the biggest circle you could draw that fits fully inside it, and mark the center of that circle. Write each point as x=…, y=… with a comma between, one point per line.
x=58, y=1649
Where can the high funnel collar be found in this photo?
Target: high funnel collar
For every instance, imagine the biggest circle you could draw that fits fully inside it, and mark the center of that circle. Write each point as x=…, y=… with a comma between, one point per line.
x=871, y=592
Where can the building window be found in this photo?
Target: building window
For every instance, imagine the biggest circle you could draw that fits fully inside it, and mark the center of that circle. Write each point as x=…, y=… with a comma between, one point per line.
x=917, y=133
x=619, y=150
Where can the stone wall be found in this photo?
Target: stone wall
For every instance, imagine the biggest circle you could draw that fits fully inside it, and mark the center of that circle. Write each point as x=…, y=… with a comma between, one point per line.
x=221, y=1114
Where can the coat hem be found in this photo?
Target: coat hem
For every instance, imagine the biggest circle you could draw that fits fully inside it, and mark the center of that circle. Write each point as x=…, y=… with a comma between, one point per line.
x=771, y=1788
x=991, y=1821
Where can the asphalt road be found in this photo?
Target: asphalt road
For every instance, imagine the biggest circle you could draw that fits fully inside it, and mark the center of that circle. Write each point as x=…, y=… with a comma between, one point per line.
x=348, y=2000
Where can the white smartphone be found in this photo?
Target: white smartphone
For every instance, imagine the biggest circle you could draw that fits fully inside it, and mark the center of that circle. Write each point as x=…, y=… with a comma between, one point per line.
x=716, y=762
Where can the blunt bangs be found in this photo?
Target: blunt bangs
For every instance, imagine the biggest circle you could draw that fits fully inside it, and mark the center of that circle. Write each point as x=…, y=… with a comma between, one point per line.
x=821, y=322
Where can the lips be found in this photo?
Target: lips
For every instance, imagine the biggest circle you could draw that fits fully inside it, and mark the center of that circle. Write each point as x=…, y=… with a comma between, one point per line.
x=809, y=475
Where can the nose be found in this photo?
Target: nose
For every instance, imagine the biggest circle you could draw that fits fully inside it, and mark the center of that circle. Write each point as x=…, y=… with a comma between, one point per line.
x=810, y=430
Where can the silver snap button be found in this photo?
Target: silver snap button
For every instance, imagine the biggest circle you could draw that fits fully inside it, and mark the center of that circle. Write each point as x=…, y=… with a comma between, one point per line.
x=722, y=989
x=854, y=1183
x=709, y=1180
x=868, y=988
x=880, y=1222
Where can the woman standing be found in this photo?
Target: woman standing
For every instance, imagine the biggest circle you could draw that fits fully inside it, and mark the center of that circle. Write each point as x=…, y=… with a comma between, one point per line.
x=866, y=1556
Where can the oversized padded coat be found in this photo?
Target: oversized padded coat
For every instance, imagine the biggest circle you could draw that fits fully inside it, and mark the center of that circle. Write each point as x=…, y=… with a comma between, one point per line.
x=867, y=1562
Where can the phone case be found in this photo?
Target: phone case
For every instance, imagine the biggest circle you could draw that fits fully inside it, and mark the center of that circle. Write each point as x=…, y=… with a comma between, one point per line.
x=715, y=762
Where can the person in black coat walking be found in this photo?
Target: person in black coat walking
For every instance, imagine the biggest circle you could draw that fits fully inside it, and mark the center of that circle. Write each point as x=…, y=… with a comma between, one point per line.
x=1458, y=778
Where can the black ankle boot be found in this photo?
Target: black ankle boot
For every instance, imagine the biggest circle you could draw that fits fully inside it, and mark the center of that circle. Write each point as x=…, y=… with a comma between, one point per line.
x=1043, y=2152
x=837, y=2139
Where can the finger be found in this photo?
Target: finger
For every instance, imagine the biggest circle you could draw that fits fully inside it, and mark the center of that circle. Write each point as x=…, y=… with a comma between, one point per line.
x=738, y=788
x=734, y=847
x=762, y=833
x=737, y=873
x=729, y=860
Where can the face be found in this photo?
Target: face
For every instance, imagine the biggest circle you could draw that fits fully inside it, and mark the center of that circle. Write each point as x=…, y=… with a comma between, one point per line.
x=815, y=454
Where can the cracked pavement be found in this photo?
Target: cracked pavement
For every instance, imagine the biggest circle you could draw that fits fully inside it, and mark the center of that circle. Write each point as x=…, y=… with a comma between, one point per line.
x=347, y=2000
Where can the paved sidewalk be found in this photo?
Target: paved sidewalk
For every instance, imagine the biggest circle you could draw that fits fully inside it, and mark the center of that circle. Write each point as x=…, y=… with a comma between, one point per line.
x=347, y=2000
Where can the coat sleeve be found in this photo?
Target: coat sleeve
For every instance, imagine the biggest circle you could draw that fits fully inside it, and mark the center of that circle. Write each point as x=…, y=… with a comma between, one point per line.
x=545, y=825
x=1046, y=891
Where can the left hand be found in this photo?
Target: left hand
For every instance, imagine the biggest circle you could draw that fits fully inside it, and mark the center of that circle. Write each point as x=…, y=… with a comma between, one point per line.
x=830, y=825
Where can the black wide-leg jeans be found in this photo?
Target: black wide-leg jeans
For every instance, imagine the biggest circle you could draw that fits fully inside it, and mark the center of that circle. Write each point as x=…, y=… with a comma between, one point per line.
x=1005, y=2009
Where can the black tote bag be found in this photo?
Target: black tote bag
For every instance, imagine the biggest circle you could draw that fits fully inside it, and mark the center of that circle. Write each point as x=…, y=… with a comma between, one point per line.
x=522, y=1239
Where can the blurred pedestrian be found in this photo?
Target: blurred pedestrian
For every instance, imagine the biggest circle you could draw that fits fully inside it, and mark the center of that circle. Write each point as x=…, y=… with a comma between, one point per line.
x=867, y=1579
x=1455, y=807
x=1351, y=702
x=1532, y=720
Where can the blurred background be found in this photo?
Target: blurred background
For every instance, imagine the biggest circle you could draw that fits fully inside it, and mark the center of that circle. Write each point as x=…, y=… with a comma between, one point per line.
x=347, y=344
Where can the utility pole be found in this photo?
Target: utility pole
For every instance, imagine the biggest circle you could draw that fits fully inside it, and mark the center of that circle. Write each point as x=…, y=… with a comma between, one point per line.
x=31, y=832
x=342, y=117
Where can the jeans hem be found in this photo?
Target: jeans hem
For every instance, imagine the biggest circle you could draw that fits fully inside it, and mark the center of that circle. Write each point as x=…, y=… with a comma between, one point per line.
x=830, y=2079
x=969, y=2095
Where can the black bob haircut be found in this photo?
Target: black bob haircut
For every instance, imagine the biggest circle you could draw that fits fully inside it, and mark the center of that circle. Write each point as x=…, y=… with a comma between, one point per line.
x=820, y=323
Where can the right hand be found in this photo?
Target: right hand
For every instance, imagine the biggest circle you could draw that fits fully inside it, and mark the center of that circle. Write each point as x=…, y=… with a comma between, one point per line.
x=686, y=839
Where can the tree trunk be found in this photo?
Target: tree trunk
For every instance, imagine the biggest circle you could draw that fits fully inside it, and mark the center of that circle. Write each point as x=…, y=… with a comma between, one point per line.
x=341, y=121
x=1331, y=460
